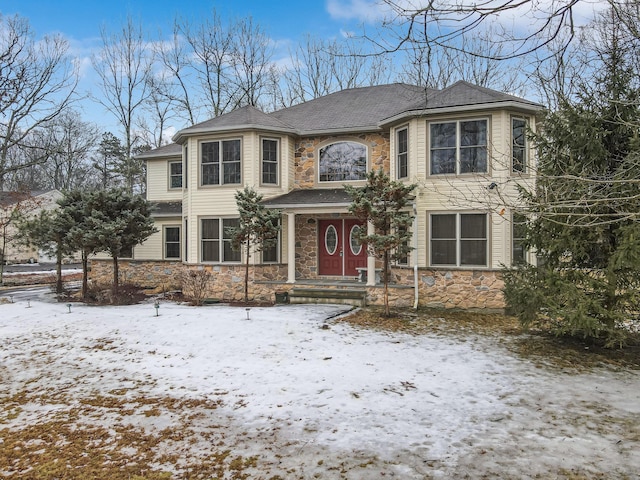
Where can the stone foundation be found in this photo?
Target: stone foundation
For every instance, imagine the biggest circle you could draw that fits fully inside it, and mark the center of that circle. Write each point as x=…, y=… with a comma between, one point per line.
x=481, y=289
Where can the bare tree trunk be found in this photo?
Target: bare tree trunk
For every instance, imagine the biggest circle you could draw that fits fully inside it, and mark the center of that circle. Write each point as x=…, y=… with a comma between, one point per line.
x=115, y=277
x=85, y=274
x=58, y=272
x=246, y=275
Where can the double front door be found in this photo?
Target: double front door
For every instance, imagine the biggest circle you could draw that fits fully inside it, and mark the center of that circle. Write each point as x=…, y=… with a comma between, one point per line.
x=340, y=252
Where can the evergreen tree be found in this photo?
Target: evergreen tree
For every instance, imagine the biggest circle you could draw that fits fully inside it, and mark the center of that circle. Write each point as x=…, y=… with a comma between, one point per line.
x=47, y=231
x=584, y=211
x=258, y=227
x=384, y=204
x=76, y=206
x=118, y=221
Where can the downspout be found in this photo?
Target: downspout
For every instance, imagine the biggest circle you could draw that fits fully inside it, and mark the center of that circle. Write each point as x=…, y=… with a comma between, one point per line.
x=415, y=257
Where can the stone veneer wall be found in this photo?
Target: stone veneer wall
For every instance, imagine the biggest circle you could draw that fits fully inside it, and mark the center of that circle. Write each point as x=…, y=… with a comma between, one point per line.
x=306, y=150
x=481, y=289
x=227, y=281
x=306, y=246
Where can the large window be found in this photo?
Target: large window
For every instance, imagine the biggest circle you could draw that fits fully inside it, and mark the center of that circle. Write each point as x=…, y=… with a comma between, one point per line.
x=175, y=174
x=216, y=240
x=459, y=239
x=458, y=147
x=172, y=242
x=343, y=161
x=402, y=152
x=519, y=145
x=220, y=161
x=269, y=161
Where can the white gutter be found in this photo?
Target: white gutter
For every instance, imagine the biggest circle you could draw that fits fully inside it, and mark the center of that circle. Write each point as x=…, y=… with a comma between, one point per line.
x=415, y=257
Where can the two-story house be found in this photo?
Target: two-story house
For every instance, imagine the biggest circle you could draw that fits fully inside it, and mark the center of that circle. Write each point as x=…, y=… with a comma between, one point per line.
x=465, y=146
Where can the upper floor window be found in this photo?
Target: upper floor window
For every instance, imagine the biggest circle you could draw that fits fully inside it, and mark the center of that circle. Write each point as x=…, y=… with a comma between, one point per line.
x=172, y=242
x=220, y=162
x=459, y=239
x=402, y=152
x=175, y=174
x=269, y=161
x=518, y=145
x=215, y=238
x=343, y=161
x=185, y=170
x=458, y=147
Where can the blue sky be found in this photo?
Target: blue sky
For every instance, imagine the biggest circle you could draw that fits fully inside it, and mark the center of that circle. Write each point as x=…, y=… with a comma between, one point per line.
x=80, y=22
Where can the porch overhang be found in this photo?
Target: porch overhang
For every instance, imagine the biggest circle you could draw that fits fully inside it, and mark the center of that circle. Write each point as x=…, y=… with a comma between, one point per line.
x=319, y=200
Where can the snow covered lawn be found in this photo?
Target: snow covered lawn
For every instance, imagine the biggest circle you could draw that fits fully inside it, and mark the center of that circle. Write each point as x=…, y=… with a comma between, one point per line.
x=209, y=393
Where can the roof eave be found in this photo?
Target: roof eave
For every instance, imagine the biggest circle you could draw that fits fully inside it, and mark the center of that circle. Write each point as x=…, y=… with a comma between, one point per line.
x=189, y=132
x=510, y=104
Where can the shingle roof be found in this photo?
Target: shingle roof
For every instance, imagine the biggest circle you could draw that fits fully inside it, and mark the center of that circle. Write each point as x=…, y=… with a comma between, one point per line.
x=352, y=109
x=356, y=109
x=247, y=117
x=309, y=197
x=464, y=93
x=171, y=150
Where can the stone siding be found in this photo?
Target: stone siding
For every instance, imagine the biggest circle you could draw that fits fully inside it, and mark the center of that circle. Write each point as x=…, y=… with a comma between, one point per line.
x=306, y=155
x=480, y=289
x=226, y=284
x=464, y=289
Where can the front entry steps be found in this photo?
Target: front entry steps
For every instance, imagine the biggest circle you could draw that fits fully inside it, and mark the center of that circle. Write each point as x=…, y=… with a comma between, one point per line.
x=351, y=296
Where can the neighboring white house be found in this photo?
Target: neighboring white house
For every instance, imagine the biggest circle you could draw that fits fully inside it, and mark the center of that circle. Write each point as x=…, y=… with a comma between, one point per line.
x=29, y=205
x=465, y=146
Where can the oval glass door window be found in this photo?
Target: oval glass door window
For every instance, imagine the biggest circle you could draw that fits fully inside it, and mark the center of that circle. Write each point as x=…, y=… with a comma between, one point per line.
x=331, y=239
x=354, y=242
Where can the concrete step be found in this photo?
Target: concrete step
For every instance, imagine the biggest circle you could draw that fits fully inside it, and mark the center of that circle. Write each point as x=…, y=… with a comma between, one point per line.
x=350, y=296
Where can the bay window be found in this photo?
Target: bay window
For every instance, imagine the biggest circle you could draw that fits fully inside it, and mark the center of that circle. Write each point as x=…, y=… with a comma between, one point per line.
x=458, y=147
x=220, y=162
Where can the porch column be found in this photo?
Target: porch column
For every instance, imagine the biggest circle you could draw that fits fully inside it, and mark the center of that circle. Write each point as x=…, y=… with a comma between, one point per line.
x=291, y=247
x=371, y=260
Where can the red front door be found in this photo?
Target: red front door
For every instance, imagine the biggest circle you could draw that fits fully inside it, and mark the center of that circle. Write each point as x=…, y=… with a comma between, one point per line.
x=339, y=251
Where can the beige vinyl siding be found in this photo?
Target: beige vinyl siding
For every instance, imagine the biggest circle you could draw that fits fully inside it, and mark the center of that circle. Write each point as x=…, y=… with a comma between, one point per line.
x=219, y=201
x=469, y=192
x=158, y=180
x=153, y=247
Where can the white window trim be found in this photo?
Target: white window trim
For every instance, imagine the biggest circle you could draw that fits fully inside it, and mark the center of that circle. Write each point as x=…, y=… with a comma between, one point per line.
x=457, y=265
x=341, y=140
x=457, y=121
x=278, y=161
x=221, y=173
x=164, y=242
x=181, y=163
x=397, y=153
x=221, y=242
x=527, y=156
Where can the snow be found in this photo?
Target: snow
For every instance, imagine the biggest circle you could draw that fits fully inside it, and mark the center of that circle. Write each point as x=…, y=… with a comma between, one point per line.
x=414, y=406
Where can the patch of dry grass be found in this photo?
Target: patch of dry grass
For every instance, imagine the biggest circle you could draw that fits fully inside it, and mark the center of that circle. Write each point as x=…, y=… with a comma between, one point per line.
x=537, y=346
x=78, y=442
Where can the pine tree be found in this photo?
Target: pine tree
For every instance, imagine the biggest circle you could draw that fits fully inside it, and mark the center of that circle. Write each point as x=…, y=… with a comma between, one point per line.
x=384, y=204
x=585, y=209
x=118, y=221
x=258, y=227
